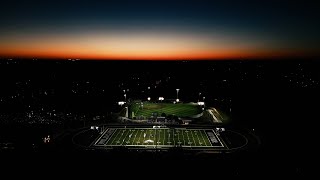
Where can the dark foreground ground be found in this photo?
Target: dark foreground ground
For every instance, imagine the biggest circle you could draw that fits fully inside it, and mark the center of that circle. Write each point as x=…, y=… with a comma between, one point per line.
x=278, y=99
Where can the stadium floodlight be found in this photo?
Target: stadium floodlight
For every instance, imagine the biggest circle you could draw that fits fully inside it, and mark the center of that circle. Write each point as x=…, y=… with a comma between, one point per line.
x=201, y=103
x=121, y=103
x=94, y=127
x=149, y=98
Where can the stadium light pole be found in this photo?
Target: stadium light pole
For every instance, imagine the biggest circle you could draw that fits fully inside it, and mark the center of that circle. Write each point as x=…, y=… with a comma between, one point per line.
x=161, y=99
x=177, y=94
x=156, y=139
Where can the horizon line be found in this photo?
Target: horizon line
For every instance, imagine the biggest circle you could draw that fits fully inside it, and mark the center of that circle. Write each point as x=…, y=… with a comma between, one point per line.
x=191, y=59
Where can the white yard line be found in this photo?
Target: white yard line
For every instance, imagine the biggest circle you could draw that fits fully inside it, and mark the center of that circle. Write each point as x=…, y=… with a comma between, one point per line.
x=135, y=135
x=178, y=138
x=198, y=138
x=154, y=136
x=159, y=137
x=114, y=133
x=191, y=131
x=184, y=142
x=218, y=138
x=188, y=138
x=125, y=137
x=205, y=138
x=172, y=134
x=150, y=136
x=101, y=136
x=140, y=143
x=144, y=138
x=167, y=139
x=164, y=137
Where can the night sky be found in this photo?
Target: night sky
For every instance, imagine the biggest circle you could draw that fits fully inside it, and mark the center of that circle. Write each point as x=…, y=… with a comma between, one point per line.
x=159, y=30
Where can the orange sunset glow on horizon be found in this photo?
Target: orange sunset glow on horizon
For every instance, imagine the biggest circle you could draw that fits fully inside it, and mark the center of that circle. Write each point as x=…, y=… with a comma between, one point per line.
x=191, y=55
x=140, y=46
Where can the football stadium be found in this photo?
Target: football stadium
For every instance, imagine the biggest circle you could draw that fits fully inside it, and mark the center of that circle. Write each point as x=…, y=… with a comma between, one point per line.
x=161, y=125
x=164, y=125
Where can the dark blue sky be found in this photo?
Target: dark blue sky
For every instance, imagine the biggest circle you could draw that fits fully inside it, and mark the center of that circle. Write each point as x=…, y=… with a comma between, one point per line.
x=260, y=26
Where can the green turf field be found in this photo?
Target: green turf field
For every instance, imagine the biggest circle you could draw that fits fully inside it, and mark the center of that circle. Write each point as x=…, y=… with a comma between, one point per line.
x=159, y=137
x=147, y=109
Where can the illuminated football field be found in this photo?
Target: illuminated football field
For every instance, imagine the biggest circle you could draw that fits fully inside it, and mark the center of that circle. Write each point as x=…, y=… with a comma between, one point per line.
x=159, y=137
x=182, y=110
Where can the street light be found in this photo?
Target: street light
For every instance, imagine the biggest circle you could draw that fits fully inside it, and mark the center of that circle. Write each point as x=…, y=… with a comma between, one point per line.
x=149, y=98
x=199, y=96
x=125, y=97
x=177, y=95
